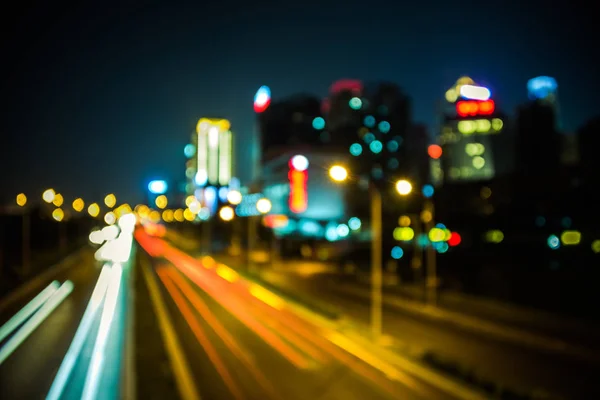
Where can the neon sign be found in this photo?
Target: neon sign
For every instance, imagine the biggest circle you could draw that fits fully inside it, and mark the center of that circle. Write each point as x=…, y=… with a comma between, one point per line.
x=298, y=200
x=262, y=99
x=472, y=108
x=473, y=92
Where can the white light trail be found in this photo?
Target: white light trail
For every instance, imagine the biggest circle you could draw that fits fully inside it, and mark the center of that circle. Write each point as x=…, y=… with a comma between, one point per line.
x=19, y=337
x=25, y=312
x=96, y=363
x=68, y=363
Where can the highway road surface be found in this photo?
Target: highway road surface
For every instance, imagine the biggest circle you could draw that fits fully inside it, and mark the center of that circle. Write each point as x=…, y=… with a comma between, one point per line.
x=226, y=338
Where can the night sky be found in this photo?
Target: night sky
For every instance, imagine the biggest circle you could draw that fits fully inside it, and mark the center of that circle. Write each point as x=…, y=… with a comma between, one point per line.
x=104, y=99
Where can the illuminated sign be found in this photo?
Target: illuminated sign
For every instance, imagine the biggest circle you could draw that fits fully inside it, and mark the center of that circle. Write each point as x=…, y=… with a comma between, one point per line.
x=471, y=108
x=480, y=126
x=262, y=99
x=541, y=87
x=298, y=201
x=472, y=92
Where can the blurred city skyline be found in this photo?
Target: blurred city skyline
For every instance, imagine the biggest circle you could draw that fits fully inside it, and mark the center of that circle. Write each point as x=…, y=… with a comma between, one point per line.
x=104, y=101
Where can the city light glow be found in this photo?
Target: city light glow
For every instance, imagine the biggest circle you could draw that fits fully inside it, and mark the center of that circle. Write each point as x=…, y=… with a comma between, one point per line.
x=471, y=108
x=472, y=92
x=338, y=173
x=403, y=187
x=262, y=99
x=157, y=187
x=299, y=163
x=21, y=199
x=263, y=205
x=298, y=200
x=226, y=213
x=48, y=195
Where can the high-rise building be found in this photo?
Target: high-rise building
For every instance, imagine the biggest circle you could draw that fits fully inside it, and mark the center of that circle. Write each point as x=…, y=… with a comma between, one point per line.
x=470, y=123
x=287, y=124
x=589, y=141
x=538, y=144
x=209, y=167
x=372, y=122
x=545, y=90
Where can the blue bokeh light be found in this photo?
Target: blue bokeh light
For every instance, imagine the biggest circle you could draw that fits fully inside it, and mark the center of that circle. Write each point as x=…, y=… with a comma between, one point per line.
x=356, y=149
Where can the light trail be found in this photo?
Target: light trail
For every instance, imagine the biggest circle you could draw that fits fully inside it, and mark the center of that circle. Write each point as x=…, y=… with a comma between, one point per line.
x=209, y=349
x=24, y=313
x=97, y=362
x=209, y=317
x=68, y=363
x=19, y=337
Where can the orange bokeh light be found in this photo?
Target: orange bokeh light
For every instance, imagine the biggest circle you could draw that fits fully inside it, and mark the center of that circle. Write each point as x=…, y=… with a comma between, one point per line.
x=434, y=151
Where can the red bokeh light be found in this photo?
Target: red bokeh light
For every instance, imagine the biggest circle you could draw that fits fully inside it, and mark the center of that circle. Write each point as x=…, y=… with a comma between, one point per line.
x=472, y=108
x=434, y=151
x=454, y=239
x=261, y=106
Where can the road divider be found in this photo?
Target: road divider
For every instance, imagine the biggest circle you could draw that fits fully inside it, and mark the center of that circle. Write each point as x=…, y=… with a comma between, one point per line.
x=36, y=319
x=68, y=363
x=27, y=311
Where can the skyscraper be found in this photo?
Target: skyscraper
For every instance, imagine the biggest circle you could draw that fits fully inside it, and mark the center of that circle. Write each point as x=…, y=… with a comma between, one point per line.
x=470, y=121
x=209, y=167
x=545, y=90
x=287, y=124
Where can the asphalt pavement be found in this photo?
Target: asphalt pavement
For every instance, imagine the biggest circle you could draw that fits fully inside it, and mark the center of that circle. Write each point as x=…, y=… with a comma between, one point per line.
x=506, y=365
x=239, y=343
x=29, y=372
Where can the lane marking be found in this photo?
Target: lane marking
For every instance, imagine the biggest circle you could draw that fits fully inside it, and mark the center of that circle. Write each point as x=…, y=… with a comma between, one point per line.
x=24, y=313
x=179, y=364
x=19, y=337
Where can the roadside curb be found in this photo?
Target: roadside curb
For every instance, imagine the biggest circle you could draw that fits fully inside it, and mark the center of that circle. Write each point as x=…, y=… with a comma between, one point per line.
x=483, y=327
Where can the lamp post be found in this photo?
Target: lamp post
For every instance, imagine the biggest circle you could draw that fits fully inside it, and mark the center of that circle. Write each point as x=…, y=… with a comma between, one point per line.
x=340, y=174
x=26, y=234
x=428, y=216
x=263, y=206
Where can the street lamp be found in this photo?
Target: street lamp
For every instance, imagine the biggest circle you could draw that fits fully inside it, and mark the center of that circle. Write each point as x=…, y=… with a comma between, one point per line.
x=94, y=210
x=226, y=213
x=263, y=206
x=26, y=233
x=21, y=199
x=234, y=197
x=58, y=214
x=58, y=200
x=48, y=195
x=78, y=204
x=110, y=200
x=161, y=201
x=403, y=187
x=338, y=173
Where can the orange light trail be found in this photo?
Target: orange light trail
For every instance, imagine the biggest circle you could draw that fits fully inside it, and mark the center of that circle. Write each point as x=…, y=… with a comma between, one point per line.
x=194, y=325
x=283, y=320
x=219, y=329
